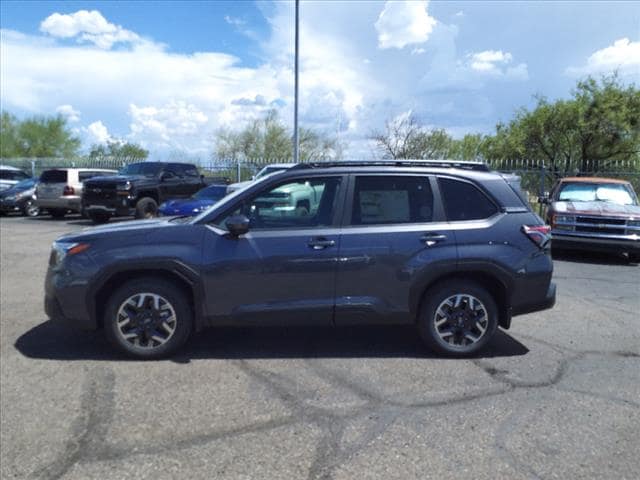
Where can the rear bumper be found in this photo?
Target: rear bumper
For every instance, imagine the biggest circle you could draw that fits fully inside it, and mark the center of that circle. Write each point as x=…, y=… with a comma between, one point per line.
x=66, y=203
x=548, y=301
x=606, y=243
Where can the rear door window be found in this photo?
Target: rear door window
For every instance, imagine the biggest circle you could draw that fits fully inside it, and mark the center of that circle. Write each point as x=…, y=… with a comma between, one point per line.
x=54, y=176
x=464, y=201
x=379, y=200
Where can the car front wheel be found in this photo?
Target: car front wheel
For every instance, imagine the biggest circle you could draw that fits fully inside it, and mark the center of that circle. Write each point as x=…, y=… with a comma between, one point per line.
x=146, y=208
x=458, y=318
x=148, y=319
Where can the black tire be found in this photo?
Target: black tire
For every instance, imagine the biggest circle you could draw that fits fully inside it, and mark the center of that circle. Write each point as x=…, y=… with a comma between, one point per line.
x=146, y=208
x=30, y=209
x=459, y=323
x=57, y=212
x=634, y=258
x=168, y=292
x=99, y=217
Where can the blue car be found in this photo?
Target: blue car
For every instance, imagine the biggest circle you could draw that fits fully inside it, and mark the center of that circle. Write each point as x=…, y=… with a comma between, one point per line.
x=199, y=202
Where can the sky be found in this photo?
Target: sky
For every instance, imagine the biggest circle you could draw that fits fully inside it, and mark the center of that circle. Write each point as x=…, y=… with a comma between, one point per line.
x=169, y=75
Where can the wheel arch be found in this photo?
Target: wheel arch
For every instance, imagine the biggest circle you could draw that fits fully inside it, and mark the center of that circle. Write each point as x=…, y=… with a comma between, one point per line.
x=174, y=272
x=498, y=289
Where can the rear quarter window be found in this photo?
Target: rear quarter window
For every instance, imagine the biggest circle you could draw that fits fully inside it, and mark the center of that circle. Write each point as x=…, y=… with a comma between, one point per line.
x=464, y=201
x=54, y=176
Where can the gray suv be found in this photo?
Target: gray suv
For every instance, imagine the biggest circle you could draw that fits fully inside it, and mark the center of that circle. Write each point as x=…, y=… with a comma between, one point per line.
x=449, y=247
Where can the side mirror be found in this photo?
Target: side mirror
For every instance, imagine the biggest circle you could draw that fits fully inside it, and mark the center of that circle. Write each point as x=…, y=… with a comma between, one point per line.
x=237, y=225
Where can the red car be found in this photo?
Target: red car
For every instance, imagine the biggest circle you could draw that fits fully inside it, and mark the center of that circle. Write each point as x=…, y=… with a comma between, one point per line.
x=591, y=213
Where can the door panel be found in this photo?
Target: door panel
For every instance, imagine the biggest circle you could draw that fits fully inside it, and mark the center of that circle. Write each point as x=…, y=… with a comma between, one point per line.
x=283, y=270
x=395, y=239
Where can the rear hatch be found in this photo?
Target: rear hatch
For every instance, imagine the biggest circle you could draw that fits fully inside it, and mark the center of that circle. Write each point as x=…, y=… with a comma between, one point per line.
x=52, y=183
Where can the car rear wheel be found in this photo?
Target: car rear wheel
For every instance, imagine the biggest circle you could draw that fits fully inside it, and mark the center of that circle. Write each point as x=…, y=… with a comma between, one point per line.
x=146, y=208
x=458, y=318
x=57, y=212
x=99, y=217
x=148, y=319
x=30, y=209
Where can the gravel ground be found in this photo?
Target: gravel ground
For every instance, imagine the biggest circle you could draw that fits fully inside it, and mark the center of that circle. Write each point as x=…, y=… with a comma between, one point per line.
x=558, y=396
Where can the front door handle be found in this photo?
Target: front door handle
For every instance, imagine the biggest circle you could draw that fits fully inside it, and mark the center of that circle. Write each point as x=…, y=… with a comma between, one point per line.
x=430, y=239
x=320, y=243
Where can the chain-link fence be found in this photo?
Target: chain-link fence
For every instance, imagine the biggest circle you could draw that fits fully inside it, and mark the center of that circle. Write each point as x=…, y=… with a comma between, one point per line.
x=536, y=177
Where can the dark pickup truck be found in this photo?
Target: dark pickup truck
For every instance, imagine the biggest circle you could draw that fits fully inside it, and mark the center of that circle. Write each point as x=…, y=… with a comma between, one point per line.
x=139, y=188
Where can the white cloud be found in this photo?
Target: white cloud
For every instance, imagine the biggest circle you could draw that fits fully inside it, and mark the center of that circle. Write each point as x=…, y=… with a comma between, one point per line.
x=176, y=125
x=497, y=63
x=236, y=22
x=404, y=23
x=623, y=56
x=70, y=113
x=97, y=133
x=87, y=26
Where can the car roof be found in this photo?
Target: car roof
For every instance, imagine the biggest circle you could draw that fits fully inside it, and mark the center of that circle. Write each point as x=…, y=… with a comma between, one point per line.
x=592, y=180
x=83, y=169
x=280, y=165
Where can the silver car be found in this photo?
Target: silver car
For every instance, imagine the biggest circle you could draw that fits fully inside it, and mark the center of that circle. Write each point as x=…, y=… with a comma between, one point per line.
x=60, y=190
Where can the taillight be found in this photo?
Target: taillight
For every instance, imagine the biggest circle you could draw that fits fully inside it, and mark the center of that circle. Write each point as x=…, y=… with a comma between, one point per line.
x=538, y=234
x=68, y=190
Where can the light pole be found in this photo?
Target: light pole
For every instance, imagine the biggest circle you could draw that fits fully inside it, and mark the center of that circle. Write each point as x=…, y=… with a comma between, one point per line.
x=296, y=141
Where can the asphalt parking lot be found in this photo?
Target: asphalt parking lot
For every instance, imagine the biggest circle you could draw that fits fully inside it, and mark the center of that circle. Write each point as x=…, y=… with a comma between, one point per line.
x=558, y=396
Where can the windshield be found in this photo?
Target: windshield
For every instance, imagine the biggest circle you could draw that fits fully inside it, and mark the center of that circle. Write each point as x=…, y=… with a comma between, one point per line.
x=148, y=169
x=25, y=184
x=598, y=192
x=214, y=192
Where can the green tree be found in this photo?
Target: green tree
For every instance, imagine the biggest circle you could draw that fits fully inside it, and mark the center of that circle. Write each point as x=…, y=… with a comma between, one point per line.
x=36, y=137
x=267, y=138
x=597, y=127
x=124, y=152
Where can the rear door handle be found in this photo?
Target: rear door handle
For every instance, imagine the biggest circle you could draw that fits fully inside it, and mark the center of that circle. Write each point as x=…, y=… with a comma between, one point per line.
x=320, y=243
x=430, y=239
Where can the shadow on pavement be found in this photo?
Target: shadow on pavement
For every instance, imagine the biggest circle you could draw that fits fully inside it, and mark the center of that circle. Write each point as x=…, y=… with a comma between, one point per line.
x=54, y=342
x=597, y=258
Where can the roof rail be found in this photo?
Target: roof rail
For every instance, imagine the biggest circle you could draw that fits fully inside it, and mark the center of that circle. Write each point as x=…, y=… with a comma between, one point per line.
x=477, y=166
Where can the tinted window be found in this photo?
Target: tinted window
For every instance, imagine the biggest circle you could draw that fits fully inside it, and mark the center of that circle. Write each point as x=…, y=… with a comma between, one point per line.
x=304, y=203
x=385, y=200
x=463, y=201
x=54, y=176
x=149, y=169
x=82, y=176
x=13, y=175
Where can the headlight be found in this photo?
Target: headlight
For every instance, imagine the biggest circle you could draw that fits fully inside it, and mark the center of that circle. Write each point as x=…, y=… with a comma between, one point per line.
x=60, y=250
x=564, y=222
x=124, y=187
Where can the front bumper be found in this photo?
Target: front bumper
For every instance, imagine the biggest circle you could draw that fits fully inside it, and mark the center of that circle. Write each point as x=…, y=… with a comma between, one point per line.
x=65, y=301
x=12, y=206
x=118, y=206
x=596, y=242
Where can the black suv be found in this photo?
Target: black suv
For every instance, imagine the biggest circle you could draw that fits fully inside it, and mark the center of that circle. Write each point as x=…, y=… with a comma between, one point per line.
x=138, y=189
x=450, y=247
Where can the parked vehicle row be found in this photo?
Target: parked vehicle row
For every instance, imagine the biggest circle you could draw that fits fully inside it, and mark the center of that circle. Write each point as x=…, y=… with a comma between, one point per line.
x=451, y=248
x=139, y=188
x=9, y=176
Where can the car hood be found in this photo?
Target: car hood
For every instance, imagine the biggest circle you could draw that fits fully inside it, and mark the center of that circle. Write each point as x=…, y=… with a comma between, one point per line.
x=12, y=191
x=118, y=179
x=143, y=227
x=605, y=209
x=187, y=204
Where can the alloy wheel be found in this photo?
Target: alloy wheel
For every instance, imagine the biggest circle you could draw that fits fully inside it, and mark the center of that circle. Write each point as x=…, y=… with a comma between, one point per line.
x=146, y=320
x=461, y=321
